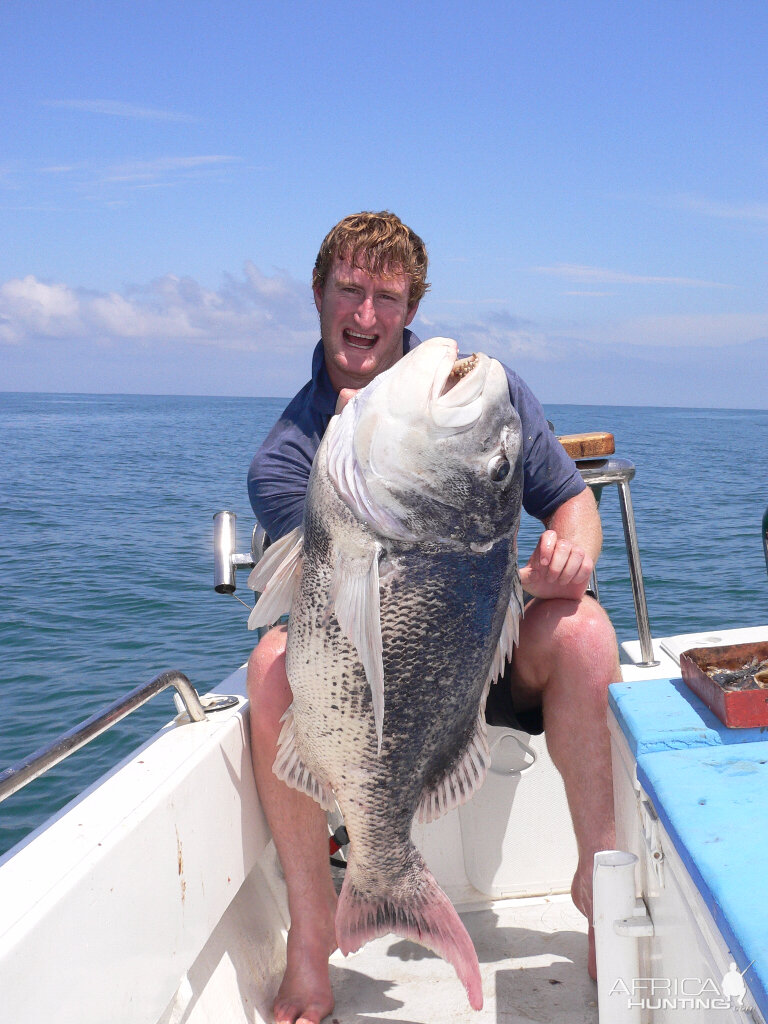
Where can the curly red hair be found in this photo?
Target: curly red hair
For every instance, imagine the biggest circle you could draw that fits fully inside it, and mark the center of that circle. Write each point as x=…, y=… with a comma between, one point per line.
x=380, y=244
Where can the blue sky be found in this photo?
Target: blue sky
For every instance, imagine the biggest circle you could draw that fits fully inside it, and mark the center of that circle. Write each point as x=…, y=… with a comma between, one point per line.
x=591, y=179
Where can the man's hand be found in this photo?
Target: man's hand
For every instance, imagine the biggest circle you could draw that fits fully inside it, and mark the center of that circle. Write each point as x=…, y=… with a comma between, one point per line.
x=345, y=395
x=558, y=568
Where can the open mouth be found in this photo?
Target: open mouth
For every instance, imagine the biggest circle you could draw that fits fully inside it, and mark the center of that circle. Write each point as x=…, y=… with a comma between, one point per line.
x=362, y=341
x=457, y=394
x=460, y=369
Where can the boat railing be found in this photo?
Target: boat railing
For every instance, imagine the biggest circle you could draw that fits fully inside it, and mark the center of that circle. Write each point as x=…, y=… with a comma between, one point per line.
x=597, y=474
x=32, y=767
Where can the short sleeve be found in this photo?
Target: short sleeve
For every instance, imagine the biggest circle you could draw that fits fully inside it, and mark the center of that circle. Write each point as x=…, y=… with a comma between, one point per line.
x=550, y=474
x=279, y=472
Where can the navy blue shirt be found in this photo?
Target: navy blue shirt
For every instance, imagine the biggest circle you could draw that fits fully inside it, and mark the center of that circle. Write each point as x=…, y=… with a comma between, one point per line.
x=279, y=473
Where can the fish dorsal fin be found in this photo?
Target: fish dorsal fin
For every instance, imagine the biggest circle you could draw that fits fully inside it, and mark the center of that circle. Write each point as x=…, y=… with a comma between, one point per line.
x=355, y=599
x=276, y=576
x=510, y=632
x=460, y=784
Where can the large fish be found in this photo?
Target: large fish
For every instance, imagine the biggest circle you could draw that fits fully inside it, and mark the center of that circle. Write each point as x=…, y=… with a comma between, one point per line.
x=404, y=597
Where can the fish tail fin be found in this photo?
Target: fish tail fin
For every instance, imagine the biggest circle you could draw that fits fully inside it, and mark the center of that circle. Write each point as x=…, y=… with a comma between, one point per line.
x=427, y=917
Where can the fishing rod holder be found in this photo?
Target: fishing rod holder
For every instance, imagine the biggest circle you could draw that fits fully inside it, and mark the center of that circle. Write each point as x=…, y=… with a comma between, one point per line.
x=226, y=561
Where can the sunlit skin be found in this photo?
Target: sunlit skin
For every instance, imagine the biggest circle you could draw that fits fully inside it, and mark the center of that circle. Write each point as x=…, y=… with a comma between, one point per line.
x=362, y=318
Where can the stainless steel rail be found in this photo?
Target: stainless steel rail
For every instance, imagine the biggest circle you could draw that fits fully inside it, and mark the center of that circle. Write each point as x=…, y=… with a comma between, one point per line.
x=24, y=772
x=597, y=473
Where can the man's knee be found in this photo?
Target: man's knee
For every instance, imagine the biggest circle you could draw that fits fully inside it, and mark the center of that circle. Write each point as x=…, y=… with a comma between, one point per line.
x=587, y=634
x=570, y=635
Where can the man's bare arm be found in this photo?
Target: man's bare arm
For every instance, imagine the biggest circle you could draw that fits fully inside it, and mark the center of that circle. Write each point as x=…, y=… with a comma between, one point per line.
x=566, y=553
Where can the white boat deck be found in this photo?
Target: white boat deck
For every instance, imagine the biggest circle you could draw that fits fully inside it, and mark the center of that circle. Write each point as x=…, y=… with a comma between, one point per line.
x=532, y=955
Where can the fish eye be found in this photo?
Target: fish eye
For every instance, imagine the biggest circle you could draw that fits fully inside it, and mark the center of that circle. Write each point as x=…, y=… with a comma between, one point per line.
x=498, y=468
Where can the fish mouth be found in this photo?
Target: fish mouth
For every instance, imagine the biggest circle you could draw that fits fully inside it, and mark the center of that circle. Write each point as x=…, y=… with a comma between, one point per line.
x=460, y=369
x=457, y=392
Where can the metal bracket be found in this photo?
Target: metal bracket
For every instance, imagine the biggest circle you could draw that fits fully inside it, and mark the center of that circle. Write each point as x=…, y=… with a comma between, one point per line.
x=652, y=836
x=638, y=926
x=210, y=702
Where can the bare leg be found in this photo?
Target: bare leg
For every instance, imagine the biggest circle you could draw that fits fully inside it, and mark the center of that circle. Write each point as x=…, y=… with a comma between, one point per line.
x=300, y=833
x=566, y=659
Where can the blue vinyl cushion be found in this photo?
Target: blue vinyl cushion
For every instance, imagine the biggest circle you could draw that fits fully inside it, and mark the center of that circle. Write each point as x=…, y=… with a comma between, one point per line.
x=709, y=786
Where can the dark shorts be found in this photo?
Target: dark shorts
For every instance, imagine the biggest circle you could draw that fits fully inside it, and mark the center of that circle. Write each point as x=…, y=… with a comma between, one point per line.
x=499, y=709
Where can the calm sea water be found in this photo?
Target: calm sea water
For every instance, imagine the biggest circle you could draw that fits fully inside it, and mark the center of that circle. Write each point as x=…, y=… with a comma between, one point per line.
x=106, y=506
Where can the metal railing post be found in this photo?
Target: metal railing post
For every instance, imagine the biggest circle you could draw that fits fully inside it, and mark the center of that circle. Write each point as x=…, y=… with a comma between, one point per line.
x=26, y=771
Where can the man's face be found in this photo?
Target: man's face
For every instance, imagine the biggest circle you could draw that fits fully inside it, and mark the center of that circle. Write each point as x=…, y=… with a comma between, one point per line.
x=361, y=322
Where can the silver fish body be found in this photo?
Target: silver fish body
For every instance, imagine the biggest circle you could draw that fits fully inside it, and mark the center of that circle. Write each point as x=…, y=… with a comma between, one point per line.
x=401, y=612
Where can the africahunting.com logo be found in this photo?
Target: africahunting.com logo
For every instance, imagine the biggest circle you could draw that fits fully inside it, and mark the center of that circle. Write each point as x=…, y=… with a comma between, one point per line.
x=683, y=993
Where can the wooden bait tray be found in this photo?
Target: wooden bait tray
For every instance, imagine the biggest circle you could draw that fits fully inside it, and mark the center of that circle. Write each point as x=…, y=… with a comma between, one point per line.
x=738, y=709
x=588, y=446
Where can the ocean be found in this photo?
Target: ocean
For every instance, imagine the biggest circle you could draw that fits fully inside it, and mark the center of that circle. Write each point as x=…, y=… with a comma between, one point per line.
x=106, y=506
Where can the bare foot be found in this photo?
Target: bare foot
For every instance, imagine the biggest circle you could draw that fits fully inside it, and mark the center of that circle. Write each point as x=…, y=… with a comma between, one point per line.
x=305, y=995
x=581, y=894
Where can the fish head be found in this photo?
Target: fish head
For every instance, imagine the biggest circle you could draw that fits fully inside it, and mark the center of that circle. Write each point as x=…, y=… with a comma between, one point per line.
x=431, y=449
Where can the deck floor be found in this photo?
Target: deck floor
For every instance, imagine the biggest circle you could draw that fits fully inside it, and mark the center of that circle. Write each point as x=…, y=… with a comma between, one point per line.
x=533, y=960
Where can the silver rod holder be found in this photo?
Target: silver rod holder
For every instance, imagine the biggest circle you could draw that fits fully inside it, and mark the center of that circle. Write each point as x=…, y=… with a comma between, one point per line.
x=224, y=545
x=225, y=560
x=26, y=771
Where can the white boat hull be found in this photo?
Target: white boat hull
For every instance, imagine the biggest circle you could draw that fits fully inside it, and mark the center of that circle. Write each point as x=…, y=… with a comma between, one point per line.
x=156, y=896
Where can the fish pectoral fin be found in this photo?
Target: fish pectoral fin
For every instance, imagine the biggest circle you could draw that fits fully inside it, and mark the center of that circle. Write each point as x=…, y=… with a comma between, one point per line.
x=290, y=768
x=460, y=784
x=276, y=576
x=510, y=632
x=355, y=598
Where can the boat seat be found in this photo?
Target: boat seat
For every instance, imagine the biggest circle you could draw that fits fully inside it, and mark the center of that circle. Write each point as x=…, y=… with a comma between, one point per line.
x=707, y=784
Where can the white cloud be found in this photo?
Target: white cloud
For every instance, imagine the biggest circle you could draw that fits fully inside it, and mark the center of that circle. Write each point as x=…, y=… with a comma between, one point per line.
x=497, y=334
x=30, y=307
x=253, y=312
x=601, y=275
x=114, y=108
x=508, y=337
x=60, y=169
x=755, y=212
x=146, y=170
x=274, y=315
x=109, y=183
x=717, y=330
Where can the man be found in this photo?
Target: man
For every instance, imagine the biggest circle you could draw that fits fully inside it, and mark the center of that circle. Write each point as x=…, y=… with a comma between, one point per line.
x=369, y=278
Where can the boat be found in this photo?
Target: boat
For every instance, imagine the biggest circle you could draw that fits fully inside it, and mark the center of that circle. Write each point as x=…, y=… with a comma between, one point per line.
x=156, y=897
